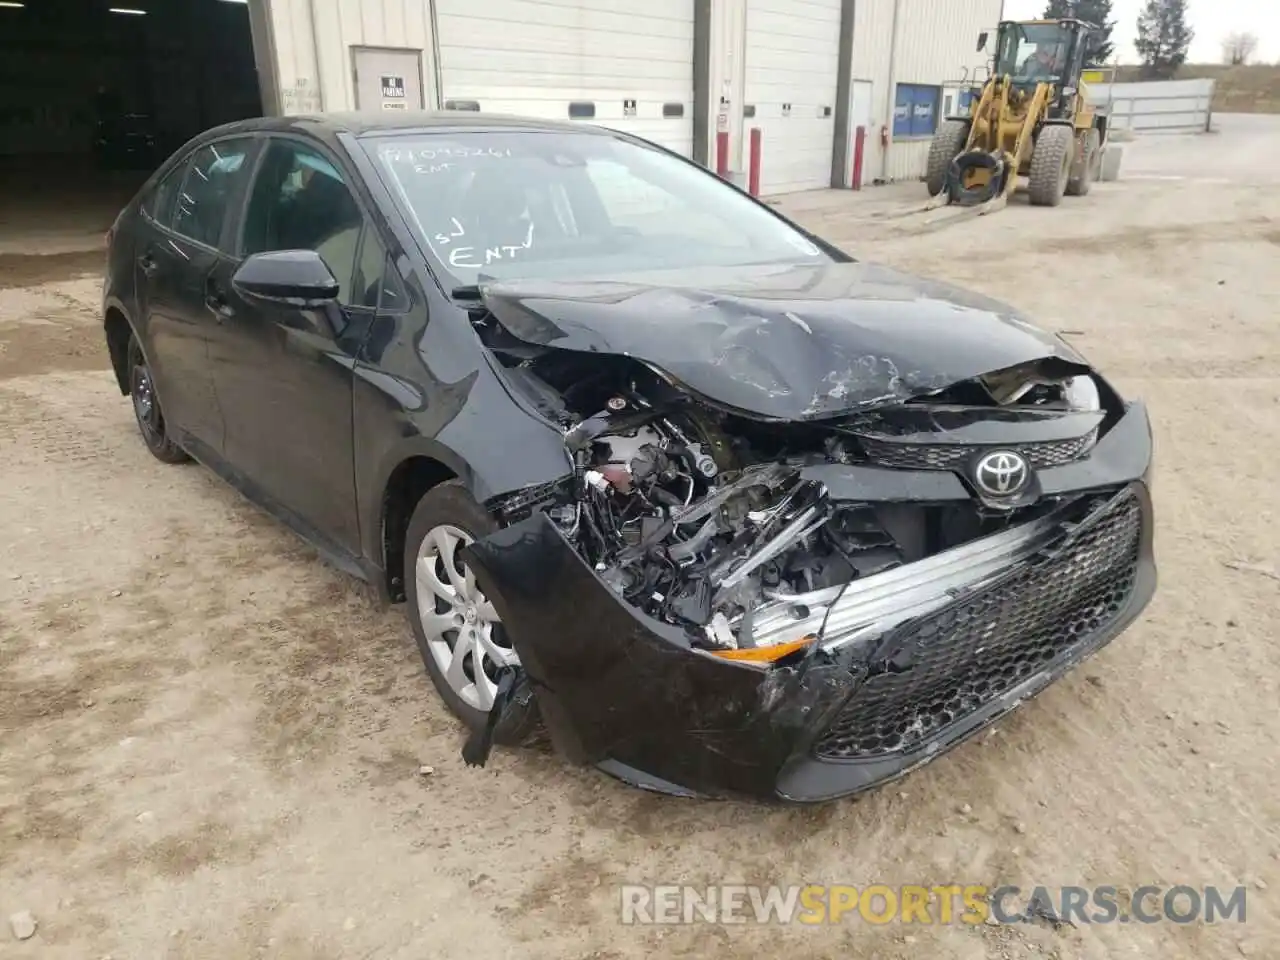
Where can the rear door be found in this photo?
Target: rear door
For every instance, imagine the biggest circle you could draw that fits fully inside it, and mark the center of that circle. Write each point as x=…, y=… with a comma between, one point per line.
x=177, y=251
x=283, y=374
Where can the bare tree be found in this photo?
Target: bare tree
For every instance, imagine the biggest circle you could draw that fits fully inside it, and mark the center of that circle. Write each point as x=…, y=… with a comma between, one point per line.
x=1238, y=48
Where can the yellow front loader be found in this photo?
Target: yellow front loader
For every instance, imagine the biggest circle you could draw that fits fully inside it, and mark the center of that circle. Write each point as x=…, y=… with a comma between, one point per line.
x=1031, y=120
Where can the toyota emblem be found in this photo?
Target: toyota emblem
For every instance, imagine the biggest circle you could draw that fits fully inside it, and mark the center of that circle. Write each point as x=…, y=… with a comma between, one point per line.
x=1002, y=473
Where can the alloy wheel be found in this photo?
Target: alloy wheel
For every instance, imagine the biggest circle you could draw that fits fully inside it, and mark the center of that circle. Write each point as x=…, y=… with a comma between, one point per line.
x=145, y=407
x=462, y=629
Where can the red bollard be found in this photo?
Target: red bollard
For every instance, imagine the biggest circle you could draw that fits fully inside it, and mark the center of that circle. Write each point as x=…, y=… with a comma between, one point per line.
x=753, y=170
x=722, y=154
x=859, y=146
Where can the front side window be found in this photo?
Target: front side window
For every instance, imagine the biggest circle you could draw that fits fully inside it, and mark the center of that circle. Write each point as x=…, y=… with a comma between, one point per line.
x=206, y=185
x=1033, y=53
x=301, y=202
x=564, y=205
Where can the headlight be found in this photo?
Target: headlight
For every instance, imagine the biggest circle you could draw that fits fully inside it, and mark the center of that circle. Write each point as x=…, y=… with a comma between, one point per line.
x=1081, y=393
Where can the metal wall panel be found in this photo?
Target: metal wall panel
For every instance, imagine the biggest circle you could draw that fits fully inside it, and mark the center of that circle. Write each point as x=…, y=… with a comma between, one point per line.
x=872, y=59
x=936, y=45
x=313, y=41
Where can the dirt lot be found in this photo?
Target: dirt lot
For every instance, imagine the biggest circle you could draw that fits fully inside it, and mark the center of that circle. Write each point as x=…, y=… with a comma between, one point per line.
x=211, y=742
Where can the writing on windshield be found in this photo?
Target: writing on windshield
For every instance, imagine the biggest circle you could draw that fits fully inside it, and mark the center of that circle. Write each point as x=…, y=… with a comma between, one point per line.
x=554, y=204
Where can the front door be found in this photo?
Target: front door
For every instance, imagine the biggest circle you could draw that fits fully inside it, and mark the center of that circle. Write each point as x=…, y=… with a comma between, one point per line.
x=176, y=254
x=284, y=375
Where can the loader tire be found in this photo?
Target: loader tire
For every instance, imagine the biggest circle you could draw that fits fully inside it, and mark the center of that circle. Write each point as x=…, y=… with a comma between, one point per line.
x=1051, y=165
x=948, y=140
x=1084, y=170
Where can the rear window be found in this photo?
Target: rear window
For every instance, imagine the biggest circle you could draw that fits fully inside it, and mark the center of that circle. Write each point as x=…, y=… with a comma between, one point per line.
x=565, y=205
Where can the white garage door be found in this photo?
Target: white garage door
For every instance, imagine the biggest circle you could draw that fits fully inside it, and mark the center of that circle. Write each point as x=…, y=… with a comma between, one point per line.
x=619, y=63
x=791, y=66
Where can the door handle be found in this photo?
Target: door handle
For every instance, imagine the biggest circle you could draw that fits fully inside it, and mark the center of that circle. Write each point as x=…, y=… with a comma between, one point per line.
x=148, y=264
x=216, y=300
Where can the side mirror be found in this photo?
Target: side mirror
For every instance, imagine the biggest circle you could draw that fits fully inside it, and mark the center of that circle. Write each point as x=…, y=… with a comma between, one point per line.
x=982, y=41
x=296, y=278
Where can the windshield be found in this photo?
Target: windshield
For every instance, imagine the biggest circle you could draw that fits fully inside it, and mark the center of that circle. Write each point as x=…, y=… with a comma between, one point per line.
x=1032, y=53
x=566, y=205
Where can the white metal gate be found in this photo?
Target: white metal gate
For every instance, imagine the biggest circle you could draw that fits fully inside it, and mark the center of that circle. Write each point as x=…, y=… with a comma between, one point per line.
x=1157, y=106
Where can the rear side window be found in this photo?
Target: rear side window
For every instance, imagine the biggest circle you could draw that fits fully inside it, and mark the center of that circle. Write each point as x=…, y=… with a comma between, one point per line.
x=158, y=204
x=206, y=186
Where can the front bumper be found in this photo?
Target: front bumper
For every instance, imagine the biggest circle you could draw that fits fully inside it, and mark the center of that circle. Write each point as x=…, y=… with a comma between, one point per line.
x=925, y=656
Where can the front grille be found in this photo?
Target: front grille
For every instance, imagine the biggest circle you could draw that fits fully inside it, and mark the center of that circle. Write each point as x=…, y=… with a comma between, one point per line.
x=955, y=661
x=884, y=452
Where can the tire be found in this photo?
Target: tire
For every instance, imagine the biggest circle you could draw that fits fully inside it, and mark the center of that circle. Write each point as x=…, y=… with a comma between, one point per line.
x=146, y=408
x=1051, y=165
x=948, y=140
x=448, y=512
x=1084, y=171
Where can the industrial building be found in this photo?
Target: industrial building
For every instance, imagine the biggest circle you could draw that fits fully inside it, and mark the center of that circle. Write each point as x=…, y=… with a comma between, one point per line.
x=127, y=80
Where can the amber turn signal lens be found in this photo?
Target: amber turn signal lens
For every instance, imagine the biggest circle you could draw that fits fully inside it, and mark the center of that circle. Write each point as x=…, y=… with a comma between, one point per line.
x=766, y=654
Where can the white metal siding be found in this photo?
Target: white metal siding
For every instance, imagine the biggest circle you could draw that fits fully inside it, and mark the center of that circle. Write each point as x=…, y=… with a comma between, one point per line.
x=937, y=45
x=313, y=41
x=934, y=43
x=535, y=57
x=872, y=40
x=792, y=56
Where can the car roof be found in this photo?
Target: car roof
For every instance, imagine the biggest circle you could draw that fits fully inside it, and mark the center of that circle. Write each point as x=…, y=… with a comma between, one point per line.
x=328, y=126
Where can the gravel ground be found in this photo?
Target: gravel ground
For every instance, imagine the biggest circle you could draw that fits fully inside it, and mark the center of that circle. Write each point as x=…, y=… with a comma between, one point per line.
x=210, y=743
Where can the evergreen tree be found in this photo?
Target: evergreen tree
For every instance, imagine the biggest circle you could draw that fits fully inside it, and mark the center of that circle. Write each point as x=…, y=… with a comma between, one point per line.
x=1097, y=12
x=1163, y=37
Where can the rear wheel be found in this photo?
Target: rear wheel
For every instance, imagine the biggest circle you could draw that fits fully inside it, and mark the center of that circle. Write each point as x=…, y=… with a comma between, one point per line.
x=458, y=631
x=1051, y=165
x=948, y=141
x=146, y=408
x=1084, y=171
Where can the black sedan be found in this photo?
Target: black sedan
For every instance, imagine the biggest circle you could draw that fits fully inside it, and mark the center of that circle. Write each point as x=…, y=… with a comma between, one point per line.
x=719, y=508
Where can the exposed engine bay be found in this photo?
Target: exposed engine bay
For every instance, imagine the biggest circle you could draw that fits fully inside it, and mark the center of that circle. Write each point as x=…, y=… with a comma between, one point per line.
x=700, y=517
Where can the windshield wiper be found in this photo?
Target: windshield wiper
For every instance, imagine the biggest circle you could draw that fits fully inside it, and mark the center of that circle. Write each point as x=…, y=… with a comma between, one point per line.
x=470, y=291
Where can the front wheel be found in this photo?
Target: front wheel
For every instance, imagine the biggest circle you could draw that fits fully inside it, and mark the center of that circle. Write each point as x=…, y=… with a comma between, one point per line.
x=458, y=631
x=146, y=408
x=1051, y=165
x=948, y=141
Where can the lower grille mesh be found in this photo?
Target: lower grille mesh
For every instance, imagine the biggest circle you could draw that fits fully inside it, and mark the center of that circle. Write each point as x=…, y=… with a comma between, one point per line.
x=955, y=661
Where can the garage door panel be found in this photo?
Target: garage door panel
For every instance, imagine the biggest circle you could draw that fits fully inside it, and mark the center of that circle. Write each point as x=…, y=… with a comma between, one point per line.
x=539, y=11
x=543, y=68
x=776, y=25
x=581, y=43
x=498, y=14
x=792, y=65
x=535, y=57
x=585, y=85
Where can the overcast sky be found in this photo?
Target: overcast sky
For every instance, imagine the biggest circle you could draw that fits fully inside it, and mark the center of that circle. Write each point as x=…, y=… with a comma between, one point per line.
x=1211, y=19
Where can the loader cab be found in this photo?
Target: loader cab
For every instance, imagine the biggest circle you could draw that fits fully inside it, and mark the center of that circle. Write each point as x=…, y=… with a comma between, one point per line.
x=1031, y=52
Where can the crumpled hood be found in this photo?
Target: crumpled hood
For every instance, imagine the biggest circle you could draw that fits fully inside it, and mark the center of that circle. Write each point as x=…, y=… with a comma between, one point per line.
x=781, y=342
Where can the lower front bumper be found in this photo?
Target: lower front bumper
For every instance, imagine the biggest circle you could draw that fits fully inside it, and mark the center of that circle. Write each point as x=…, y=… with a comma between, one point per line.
x=626, y=692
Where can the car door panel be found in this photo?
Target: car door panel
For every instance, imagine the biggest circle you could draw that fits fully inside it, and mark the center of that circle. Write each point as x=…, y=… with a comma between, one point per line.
x=176, y=258
x=171, y=275
x=283, y=374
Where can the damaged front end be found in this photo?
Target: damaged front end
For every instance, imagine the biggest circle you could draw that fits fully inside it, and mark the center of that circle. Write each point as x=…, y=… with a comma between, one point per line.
x=722, y=601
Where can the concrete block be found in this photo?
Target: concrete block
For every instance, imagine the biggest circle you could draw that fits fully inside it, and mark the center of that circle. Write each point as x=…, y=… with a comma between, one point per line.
x=1111, y=157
